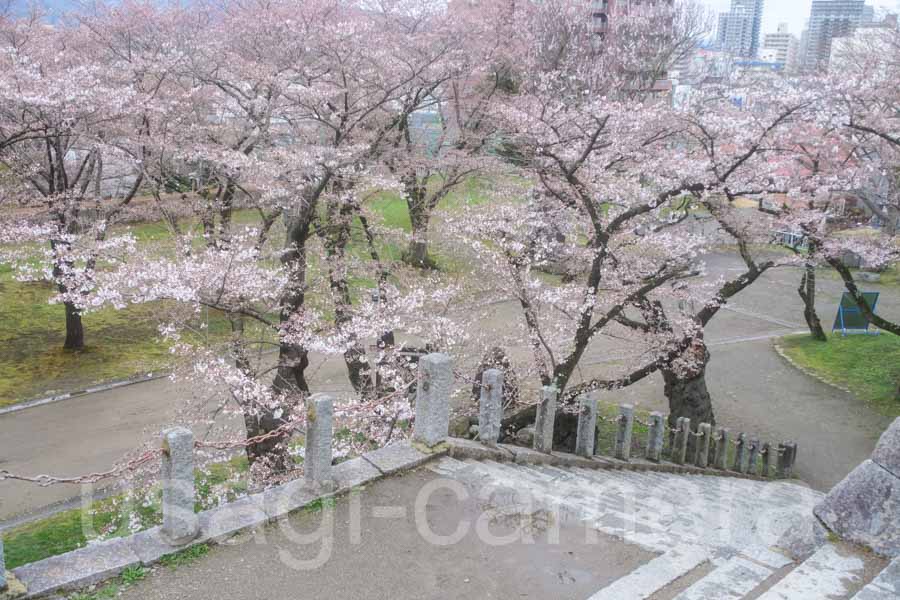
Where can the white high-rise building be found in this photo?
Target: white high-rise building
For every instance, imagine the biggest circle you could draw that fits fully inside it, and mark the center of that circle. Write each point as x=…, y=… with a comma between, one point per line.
x=782, y=48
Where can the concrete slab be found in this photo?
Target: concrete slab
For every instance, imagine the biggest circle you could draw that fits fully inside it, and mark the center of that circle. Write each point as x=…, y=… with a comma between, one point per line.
x=219, y=524
x=645, y=581
x=77, y=569
x=463, y=449
x=734, y=579
x=829, y=573
x=397, y=457
x=281, y=500
x=354, y=473
x=391, y=556
x=150, y=546
x=889, y=579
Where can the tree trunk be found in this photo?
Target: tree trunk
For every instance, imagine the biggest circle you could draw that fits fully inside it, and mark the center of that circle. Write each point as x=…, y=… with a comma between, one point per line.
x=74, y=328
x=290, y=380
x=419, y=217
x=686, y=391
x=807, y=291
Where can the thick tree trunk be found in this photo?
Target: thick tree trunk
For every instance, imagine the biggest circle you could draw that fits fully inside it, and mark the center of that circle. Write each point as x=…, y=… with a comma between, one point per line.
x=290, y=380
x=807, y=291
x=74, y=328
x=686, y=391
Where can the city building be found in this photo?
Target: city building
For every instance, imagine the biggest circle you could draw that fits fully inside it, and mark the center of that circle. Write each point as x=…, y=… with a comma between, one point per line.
x=830, y=19
x=603, y=10
x=867, y=38
x=782, y=48
x=740, y=28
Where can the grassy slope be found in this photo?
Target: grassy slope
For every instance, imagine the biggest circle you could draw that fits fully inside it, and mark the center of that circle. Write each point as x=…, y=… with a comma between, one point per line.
x=867, y=365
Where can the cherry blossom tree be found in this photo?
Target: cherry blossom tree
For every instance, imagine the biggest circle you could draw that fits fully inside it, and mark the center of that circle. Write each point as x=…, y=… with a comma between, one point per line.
x=76, y=114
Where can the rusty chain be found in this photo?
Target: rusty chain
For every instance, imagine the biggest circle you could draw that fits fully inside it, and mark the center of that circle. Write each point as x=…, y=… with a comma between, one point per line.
x=47, y=480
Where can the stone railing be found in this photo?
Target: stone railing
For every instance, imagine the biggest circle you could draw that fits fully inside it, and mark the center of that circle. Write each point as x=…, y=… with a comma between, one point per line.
x=709, y=449
x=182, y=526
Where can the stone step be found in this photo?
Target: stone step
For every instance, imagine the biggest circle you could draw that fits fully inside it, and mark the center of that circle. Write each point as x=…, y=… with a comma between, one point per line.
x=886, y=586
x=653, y=576
x=735, y=578
x=832, y=572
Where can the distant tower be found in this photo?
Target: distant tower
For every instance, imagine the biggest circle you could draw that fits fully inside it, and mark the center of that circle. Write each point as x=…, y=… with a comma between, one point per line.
x=740, y=28
x=830, y=19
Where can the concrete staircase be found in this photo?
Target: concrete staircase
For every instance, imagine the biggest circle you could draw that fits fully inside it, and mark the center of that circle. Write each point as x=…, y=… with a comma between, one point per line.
x=715, y=537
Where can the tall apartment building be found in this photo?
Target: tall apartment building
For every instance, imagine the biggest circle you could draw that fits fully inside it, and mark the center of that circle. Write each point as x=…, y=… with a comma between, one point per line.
x=739, y=28
x=782, y=48
x=602, y=10
x=830, y=19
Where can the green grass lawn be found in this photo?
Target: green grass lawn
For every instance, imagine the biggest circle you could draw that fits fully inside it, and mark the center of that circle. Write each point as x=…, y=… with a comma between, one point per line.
x=119, y=343
x=112, y=517
x=867, y=365
x=123, y=343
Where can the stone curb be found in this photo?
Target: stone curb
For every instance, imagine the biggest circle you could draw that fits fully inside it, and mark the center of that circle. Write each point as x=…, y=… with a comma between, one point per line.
x=808, y=372
x=102, y=387
x=105, y=560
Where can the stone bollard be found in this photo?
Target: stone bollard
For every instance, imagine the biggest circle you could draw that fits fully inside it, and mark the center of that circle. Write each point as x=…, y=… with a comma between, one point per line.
x=546, y=418
x=433, y=400
x=753, y=460
x=793, y=460
x=701, y=458
x=319, y=434
x=682, y=435
x=624, y=431
x=723, y=441
x=587, y=427
x=655, y=437
x=740, y=454
x=787, y=453
x=180, y=523
x=768, y=462
x=490, y=408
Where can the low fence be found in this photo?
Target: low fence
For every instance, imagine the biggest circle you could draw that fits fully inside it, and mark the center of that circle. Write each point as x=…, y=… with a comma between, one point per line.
x=710, y=450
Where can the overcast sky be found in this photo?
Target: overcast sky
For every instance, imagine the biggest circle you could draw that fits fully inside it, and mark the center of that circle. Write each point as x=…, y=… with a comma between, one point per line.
x=793, y=12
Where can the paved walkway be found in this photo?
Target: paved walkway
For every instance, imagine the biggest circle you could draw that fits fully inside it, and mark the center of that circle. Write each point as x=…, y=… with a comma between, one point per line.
x=389, y=558
x=752, y=387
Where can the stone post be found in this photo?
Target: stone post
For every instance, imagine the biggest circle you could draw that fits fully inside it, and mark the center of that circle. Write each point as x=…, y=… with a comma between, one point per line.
x=740, y=454
x=3, y=584
x=723, y=441
x=624, y=431
x=433, y=400
x=787, y=453
x=768, y=460
x=753, y=461
x=180, y=523
x=490, y=409
x=781, y=461
x=682, y=435
x=587, y=427
x=703, y=442
x=546, y=418
x=655, y=437
x=319, y=434
x=793, y=461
